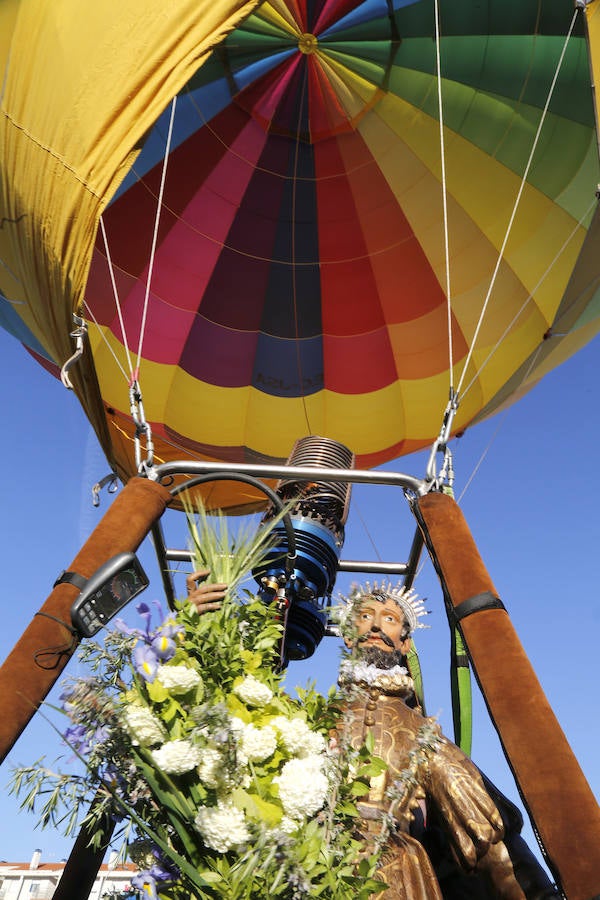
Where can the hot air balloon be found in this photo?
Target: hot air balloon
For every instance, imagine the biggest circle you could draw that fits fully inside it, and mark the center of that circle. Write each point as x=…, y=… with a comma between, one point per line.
x=350, y=212
x=271, y=262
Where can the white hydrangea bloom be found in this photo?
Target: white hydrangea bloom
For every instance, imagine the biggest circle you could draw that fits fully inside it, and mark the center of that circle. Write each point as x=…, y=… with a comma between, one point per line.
x=210, y=768
x=297, y=737
x=288, y=825
x=257, y=744
x=178, y=679
x=143, y=727
x=253, y=692
x=222, y=827
x=176, y=757
x=302, y=786
x=237, y=727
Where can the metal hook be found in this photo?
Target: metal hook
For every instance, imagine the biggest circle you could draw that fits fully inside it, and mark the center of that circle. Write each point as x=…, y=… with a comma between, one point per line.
x=111, y=480
x=440, y=445
x=79, y=333
x=142, y=427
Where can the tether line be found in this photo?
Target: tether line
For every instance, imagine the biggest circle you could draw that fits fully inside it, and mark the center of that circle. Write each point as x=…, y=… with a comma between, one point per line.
x=516, y=204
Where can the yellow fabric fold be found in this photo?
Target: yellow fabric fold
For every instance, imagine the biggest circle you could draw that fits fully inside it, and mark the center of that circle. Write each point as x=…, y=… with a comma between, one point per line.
x=80, y=91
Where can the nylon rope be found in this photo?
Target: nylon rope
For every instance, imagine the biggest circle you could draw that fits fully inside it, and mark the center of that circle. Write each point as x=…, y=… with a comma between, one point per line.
x=370, y=537
x=501, y=421
x=529, y=298
x=293, y=237
x=444, y=196
x=517, y=202
x=107, y=342
x=159, y=203
x=113, y=282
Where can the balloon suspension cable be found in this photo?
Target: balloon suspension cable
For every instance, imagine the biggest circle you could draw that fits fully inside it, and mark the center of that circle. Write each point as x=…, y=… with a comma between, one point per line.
x=142, y=428
x=440, y=445
x=113, y=281
x=547, y=272
x=159, y=207
x=298, y=343
x=517, y=202
x=444, y=193
x=78, y=334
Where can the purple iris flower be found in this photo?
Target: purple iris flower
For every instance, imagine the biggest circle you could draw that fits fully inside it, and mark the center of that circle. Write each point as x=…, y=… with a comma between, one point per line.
x=113, y=779
x=171, y=628
x=145, y=661
x=164, y=647
x=145, y=612
x=121, y=625
x=163, y=869
x=146, y=883
x=158, y=645
x=82, y=738
x=101, y=734
x=77, y=738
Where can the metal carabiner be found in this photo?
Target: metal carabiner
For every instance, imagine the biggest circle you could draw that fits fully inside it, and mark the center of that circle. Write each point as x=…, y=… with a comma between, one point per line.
x=142, y=427
x=440, y=445
x=110, y=482
x=79, y=334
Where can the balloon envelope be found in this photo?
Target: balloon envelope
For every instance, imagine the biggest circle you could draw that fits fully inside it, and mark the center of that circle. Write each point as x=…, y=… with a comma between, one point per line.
x=299, y=281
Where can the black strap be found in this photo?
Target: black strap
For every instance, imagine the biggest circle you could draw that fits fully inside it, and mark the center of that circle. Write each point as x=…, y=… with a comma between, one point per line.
x=474, y=604
x=49, y=657
x=71, y=578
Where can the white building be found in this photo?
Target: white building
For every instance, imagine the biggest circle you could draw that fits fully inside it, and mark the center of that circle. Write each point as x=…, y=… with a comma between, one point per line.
x=36, y=880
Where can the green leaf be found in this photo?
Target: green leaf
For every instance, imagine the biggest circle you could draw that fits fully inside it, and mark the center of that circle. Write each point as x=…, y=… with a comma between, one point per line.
x=359, y=789
x=239, y=709
x=256, y=808
x=375, y=767
x=156, y=691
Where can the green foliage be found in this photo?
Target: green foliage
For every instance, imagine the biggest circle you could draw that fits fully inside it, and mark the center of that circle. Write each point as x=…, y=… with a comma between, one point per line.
x=204, y=758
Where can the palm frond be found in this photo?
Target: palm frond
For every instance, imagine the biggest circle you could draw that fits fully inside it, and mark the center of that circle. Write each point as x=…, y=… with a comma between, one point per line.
x=229, y=555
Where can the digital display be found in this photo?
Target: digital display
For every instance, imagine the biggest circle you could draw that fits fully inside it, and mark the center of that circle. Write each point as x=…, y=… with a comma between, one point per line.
x=107, y=591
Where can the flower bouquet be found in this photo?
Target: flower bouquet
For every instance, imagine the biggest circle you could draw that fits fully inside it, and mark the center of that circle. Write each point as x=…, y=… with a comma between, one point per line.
x=223, y=784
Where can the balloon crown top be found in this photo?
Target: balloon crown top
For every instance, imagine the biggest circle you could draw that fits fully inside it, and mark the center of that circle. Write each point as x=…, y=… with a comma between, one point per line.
x=307, y=43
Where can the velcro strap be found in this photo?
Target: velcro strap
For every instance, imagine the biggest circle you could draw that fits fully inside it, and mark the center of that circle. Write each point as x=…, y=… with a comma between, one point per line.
x=71, y=578
x=474, y=604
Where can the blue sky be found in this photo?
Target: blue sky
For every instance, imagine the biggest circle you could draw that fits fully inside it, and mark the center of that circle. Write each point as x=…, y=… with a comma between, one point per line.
x=532, y=508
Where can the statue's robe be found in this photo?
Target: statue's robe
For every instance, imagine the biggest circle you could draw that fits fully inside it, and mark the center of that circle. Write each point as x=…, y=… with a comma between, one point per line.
x=449, y=839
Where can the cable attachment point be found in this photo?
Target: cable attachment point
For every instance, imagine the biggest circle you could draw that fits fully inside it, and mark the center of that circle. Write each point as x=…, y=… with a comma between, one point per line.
x=78, y=335
x=110, y=482
x=142, y=428
x=440, y=445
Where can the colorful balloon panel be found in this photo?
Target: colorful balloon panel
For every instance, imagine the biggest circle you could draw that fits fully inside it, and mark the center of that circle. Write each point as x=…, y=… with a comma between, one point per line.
x=299, y=283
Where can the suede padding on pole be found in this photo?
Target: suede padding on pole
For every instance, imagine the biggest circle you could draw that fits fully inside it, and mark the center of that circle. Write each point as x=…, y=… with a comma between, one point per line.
x=24, y=682
x=554, y=789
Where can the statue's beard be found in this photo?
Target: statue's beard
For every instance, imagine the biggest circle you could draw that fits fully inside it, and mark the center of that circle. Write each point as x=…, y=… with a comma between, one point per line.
x=382, y=659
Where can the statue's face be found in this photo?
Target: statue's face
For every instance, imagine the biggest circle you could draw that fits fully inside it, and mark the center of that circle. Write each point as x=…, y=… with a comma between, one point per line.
x=381, y=625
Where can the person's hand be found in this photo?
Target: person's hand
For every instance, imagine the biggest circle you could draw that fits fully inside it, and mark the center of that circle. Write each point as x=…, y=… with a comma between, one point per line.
x=205, y=595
